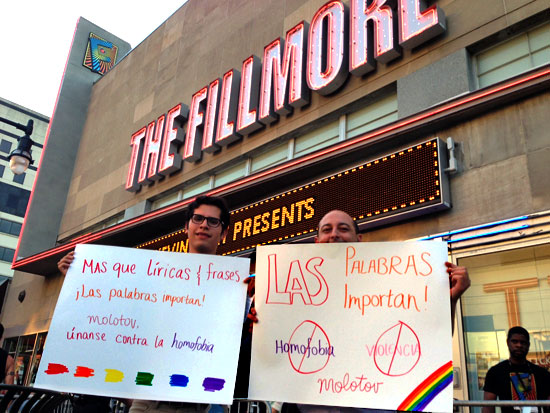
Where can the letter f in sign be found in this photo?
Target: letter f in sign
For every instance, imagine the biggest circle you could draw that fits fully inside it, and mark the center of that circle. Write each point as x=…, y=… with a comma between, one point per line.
x=310, y=285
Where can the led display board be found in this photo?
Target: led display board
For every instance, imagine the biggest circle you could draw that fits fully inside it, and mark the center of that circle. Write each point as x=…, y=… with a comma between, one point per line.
x=399, y=185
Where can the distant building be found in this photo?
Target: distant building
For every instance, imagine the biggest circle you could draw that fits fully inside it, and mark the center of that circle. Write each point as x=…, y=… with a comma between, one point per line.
x=15, y=189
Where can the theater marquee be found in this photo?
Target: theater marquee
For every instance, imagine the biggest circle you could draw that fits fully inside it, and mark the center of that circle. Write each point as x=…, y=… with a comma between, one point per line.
x=402, y=184
x=317, y=56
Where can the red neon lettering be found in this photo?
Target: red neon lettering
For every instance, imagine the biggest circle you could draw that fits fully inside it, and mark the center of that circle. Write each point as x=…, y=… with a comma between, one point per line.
x=208, y=144
x=225, y=133
x=415, y=26
x=170, y=160
x=276, y=76
x=231, y=107
x=327, y=67
x=151, y=149
x=135, y=142
x=248, y=97
x=192, y=148
x=364, y=50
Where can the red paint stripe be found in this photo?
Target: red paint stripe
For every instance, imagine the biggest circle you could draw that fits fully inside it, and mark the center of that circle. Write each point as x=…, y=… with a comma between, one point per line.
x=54, y=368
x=82, y=371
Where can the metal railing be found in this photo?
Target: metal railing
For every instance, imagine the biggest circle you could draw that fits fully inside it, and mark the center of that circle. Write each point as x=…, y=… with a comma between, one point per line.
x=502, y=403
x=249, y=406
x=21, y=398
x=460, y=405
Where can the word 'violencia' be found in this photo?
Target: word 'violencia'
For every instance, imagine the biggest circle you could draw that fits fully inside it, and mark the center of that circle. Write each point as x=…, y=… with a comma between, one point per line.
x=317, y=56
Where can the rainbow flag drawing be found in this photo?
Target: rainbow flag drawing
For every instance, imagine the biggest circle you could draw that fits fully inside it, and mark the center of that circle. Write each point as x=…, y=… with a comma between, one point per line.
x=424, y=393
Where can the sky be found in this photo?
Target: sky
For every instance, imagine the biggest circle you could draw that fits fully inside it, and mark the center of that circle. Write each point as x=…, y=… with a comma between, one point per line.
x=36, y=37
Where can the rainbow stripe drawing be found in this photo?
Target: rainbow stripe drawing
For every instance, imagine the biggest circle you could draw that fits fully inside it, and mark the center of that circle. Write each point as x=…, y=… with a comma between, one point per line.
x=425, y=392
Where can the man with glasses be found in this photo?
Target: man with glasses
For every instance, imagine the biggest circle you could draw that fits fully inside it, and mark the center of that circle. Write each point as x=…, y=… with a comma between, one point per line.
x=206, y=223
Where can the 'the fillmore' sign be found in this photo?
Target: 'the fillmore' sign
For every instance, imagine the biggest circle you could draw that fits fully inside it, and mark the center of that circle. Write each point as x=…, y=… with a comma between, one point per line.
x=317, y=56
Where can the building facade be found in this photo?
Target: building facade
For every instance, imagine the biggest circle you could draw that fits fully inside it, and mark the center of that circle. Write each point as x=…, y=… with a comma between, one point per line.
x=422, y=122
x=92, y=53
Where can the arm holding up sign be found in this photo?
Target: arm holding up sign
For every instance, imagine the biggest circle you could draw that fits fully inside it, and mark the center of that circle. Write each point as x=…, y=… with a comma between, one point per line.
x=459, y=282
x=64, y=263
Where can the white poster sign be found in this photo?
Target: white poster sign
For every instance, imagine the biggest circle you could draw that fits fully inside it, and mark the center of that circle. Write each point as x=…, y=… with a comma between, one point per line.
x=142, y=324
x=353, y=324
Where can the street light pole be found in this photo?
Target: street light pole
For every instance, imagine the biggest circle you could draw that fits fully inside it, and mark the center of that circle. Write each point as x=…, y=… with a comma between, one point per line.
x=21, y=157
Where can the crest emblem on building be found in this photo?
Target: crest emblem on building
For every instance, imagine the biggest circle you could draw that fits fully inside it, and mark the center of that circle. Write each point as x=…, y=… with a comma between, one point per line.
x=100, y=54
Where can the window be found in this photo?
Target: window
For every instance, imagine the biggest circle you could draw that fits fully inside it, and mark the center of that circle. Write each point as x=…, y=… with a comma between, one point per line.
x=372, y=116
x=230, y=174
x=319, y=138
x=166, y=200
x=117, y=219
x=27, y=352
x=270, y=157
x=107, y=223
x=5, y=146
x=19, y=179
x=10, y=227
x=6, y=254
x=508, y=288
x=13, y=199
x=15, y=228
x=196, y=188
x=514, y=56
x=2, y=168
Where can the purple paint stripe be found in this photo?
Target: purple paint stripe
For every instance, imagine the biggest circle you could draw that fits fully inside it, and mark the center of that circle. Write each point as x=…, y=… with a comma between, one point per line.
x=213, y=384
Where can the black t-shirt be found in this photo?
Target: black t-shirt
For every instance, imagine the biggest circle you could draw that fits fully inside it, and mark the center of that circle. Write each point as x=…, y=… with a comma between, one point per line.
x=511, y=382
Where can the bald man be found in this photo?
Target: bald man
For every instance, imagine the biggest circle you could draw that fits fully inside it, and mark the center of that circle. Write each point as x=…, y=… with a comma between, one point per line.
x=338, y=226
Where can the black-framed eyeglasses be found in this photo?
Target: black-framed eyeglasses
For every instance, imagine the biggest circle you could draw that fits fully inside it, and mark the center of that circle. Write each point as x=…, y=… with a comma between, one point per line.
x=211, y=221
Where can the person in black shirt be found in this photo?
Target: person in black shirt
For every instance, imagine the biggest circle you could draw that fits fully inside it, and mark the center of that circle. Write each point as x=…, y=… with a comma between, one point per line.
x=516, y=378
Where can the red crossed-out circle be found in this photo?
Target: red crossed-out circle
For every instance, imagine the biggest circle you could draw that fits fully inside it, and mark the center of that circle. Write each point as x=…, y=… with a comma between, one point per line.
x=300, y=362
x=404, y=350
